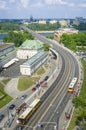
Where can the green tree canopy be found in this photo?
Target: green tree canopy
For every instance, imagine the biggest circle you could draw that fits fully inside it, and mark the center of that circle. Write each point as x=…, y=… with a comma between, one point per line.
x=18, y=38
x=44, y=27
x=8, y=26
x=73, y=40
x=46, y=47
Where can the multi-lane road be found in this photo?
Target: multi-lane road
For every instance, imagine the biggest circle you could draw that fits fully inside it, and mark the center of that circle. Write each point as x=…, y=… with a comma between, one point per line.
x=56, y=97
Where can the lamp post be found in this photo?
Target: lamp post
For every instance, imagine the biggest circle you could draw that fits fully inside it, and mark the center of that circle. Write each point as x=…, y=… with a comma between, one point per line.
x=8, y=121
x=26, y=127
x=58, y=61
x=40, y=124
x=56, y=119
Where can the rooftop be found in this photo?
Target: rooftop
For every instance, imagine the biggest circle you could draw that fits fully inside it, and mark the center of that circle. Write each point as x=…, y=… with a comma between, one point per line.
x=3, y=46
x=66, y=29
x=34, y=58
x=31, y=44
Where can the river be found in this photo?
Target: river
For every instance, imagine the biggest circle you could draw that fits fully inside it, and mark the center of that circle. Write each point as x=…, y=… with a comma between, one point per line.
x=46, y=34
x=2, y=35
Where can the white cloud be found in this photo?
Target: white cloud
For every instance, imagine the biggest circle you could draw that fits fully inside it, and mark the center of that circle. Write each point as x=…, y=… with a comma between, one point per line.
x=12, y=1
x=71, y=4
x=53, y=2
x=65, y=2
x=83, y=5
x=39, y=4
x=24, y=3
x=2, y=5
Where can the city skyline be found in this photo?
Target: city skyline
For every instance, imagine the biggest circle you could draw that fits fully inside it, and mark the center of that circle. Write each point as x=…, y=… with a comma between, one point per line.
x=17, y=9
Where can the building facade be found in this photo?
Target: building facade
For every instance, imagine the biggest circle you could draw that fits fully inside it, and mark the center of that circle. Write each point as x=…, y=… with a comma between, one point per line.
x=63, y=23
x=6, y=48
x=31, y=65
x=42, y=22
x=29, y=48
x=58, y=33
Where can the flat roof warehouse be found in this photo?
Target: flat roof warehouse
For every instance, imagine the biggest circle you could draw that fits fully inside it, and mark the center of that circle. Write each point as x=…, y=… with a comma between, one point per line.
x=31, y=65
x=34, y=58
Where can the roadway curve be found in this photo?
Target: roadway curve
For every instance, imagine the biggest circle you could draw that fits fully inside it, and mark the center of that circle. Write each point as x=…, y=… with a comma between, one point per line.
x=56, y=97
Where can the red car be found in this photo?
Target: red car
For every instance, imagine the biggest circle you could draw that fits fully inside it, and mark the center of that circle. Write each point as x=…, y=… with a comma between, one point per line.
x=33, y=89
x=41, y=82
x=22, y=106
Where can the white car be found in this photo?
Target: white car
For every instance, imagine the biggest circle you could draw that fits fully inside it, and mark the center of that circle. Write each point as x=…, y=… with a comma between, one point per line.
x=23, y=96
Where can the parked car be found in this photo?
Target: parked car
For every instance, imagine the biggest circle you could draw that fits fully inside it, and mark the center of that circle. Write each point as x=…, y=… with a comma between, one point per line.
x=41, y=82
x=46, y=78
x=22, y=106
x=1, y=116
x=23, y=96
x=37, y=85
x=33, y=89
x=11, y=106
x=44, y=84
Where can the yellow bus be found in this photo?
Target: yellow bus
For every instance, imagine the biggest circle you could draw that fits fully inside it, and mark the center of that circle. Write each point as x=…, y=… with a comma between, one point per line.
x=25, y=116
x=72, y=85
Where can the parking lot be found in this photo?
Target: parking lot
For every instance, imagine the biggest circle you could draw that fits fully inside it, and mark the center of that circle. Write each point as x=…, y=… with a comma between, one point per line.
x=12, y=71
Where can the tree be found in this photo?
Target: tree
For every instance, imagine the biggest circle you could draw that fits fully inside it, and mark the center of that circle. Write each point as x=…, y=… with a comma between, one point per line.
x=18, y=38
x=50, y=36
x=46, y=47
x=74, y=40
x=43, y=27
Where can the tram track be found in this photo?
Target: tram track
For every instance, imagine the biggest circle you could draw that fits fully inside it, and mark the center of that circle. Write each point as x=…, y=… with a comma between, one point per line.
x=57, y=89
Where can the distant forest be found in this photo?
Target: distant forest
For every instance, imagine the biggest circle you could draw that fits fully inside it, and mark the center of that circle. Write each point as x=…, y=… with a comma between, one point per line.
x=81, y=26
x=6, y=27
x=44, y=27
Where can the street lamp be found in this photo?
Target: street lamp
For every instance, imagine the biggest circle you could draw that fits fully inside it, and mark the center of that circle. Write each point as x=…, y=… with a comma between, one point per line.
x=8, y=121
x=40, y=124
x=27, y=126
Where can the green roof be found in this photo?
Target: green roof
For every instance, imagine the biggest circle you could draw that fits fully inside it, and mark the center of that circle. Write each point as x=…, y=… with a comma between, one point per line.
x=32, y=44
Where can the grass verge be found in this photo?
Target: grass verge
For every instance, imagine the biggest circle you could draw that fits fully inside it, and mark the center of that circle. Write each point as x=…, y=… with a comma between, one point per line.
x=25, y=82
x=4, y=98
x=40, y=71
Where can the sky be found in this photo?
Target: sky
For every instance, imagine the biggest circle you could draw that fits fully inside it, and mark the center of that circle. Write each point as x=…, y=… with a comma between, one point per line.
x=24, y=9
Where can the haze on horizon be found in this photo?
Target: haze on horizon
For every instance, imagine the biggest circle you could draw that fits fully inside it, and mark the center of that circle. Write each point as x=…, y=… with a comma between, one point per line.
x=17, y=9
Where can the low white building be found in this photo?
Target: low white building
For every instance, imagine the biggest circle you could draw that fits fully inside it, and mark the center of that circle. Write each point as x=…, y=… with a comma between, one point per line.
x=31, y=65
x=58, y=33
x=42, y=22
x=53, y=21
x=29, y=48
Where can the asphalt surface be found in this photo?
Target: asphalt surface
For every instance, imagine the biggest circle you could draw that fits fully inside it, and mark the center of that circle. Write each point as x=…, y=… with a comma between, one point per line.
x=11, y=87
x=62, y=105
x=13, y=71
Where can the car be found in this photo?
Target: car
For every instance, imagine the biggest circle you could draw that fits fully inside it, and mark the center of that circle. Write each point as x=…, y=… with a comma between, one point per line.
x=22, y=106
x=23, y=96
x=37, y=85
x=16, y=97
x=11, y=106
x=41, y=82
x=33, y=89
x=46, y=78
x=1, y=116
x=44, y=84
